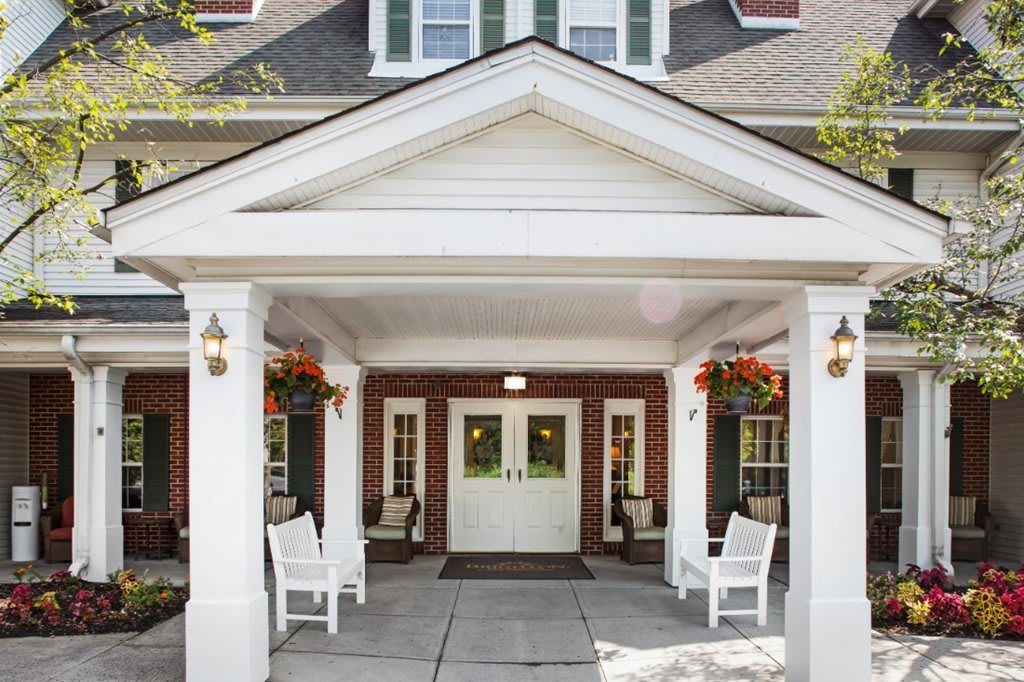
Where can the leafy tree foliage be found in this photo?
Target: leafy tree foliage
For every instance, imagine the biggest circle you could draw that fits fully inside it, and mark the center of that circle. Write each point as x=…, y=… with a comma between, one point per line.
x=960, y=311
x=52, y=115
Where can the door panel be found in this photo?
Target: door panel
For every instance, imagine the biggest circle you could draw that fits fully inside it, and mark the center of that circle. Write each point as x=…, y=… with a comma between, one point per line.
x=545, y=453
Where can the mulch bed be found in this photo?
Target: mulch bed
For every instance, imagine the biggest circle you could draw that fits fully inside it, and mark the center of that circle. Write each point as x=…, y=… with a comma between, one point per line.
x=80, y=608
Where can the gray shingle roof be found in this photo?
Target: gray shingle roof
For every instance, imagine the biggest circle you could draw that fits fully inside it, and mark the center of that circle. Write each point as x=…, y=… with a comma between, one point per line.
x=102, y=310
x=320, y=49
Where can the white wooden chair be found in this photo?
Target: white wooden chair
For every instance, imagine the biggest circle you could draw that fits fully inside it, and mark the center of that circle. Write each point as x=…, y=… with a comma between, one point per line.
x=745, y=560
x=299, y=565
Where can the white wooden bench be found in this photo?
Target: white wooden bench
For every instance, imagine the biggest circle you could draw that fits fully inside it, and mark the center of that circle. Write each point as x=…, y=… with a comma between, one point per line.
x=745, y=560
x=299, y=565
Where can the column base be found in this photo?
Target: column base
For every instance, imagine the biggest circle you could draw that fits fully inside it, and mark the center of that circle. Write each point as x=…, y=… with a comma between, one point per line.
x=915, y=547
x=227, y=640
x=695, y=545
x=106, y=552
x=828, y=639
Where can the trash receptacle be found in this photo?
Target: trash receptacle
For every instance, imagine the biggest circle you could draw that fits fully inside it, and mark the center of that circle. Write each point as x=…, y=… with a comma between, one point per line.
x=25, y=523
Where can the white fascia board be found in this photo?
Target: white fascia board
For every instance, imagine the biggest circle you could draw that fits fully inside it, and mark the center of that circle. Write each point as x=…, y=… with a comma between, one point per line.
x=490, y=82
x=807, y=116
x=513, y=353
x=534, y=234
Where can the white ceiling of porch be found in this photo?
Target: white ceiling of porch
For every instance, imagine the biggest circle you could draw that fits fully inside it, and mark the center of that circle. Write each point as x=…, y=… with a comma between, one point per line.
x=653, y=315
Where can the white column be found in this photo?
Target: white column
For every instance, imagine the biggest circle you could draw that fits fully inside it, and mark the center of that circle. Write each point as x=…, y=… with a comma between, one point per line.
x=343, y=467
x=226, y=634
x=82, y=530
x=827, y=614
x=106, y=534
x=918, y=468
x=687, y=471
x=941, y=535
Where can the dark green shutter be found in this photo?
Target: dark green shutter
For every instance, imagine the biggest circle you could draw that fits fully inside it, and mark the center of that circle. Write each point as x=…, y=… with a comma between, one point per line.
x=65, y=456
x=638, y=32
x=301, y=439
x=156, y=454
x=545, y=20
x=727, y=463
x=901, y=182
x=127, y=184
x=492, y=25
x=399, y=23
x=956, y=457
x=873, y=462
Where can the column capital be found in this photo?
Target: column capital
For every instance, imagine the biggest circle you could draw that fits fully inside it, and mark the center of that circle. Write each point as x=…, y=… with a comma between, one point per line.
x=110, y=375
x=828, y=300
x=78, y=376
x=219, y=296
x=918, y=377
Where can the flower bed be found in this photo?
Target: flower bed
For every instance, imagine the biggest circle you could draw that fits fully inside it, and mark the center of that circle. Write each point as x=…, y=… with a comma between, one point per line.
x=61, y=604
x=926, y=603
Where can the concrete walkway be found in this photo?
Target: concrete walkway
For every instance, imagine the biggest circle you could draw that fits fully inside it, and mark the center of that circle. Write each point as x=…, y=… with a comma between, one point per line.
x=625, y=625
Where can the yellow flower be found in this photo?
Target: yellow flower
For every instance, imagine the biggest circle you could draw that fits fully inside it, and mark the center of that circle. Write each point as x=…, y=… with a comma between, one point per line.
x=908, y=592
x=918, y=613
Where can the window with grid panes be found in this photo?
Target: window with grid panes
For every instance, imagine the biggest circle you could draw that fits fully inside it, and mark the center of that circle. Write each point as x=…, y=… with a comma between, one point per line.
x=592, y=29
x=446, y=30
x=404, y=448
x=275, y=454
x=892, y=465
x=764, y=457
x=131, y=463
x=404, y=452
x=623, y=458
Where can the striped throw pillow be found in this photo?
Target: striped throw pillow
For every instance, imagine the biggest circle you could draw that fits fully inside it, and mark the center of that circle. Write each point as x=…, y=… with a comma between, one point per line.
x=641, y=511
x=394, y=511
x=961, y=510
x=279, y=508
x=766, y=509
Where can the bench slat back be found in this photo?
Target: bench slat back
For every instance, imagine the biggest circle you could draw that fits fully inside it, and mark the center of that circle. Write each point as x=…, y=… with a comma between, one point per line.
x=295, y=539
x=746, y=537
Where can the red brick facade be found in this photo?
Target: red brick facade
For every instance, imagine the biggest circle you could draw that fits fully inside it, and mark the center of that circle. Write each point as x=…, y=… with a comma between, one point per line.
x=591, y=389
x=775, y=9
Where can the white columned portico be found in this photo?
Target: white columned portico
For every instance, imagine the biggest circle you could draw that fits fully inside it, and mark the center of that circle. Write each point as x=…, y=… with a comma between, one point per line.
x=924, y=532
x=687, y=471
x=343, y=467
x=828, y=624
x=226, y=617
x=106, y=534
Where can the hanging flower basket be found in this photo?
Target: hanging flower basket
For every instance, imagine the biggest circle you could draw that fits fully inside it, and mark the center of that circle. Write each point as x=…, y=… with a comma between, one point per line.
x=739, y=382
x=298, y=376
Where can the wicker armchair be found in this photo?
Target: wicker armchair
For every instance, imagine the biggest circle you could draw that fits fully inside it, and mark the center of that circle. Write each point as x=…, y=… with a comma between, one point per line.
x=57, y=527
x=642, y=545
x=970, y=541
x=781, y=550
x=389, y=543
x=181, y=532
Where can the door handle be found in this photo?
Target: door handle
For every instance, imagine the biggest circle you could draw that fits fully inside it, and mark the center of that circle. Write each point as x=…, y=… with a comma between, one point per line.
x=508, y=475
x=520, y=475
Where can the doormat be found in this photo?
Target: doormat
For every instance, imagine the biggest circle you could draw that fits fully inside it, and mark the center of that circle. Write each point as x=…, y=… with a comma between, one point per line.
x=515, y=567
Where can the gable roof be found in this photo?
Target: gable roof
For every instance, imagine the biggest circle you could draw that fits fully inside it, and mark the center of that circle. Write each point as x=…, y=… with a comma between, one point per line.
x=320, y=49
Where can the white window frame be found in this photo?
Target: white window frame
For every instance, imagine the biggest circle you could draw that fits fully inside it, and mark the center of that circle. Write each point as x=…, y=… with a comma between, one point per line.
x=134, y=465
x=899, y=445
x=619, y=25
x=768, y=465
x=266, y=463
x=417, y=35
x=417, y=406
x=631, y=408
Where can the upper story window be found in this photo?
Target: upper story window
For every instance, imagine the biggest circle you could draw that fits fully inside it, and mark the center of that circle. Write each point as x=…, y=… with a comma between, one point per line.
x=592, y=29
x=446, y=29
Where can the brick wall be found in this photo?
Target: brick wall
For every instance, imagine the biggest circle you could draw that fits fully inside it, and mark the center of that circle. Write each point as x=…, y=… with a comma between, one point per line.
x=783, y=9
x=53, y=394
x=592, y=390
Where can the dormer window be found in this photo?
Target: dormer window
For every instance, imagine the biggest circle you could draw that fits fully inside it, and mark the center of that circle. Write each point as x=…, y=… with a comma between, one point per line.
x=446, y=29
x=592, y=29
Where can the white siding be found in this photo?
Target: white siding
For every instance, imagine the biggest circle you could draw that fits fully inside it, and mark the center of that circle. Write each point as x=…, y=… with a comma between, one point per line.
x=531, y=163
x=969, y=20
x=31, y=22
x=1006, y=477
x=931, y=183
x=13, y=449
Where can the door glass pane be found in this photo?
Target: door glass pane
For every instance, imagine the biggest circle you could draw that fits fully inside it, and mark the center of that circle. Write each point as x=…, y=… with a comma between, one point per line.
x=482, y=438
x=546, y=447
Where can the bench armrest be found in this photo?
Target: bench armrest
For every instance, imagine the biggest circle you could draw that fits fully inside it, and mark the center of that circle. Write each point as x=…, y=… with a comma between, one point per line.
x=354, y=542
x=315, y=562
x=735, y=558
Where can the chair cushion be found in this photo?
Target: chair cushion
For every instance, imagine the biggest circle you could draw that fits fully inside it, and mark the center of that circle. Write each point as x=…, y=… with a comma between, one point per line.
x=384, y=532
x=641, y=511
x=279, y=508
x=961, y=510
x=782, y=533
x=183, y=533
x=967, y=533
x=61, y=534
x=649, y=533
x=766, y=509
x=67, y=513
x=395, y=511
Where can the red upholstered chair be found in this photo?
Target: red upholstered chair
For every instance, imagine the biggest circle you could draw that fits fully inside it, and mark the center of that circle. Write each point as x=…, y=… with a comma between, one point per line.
x=57, y=528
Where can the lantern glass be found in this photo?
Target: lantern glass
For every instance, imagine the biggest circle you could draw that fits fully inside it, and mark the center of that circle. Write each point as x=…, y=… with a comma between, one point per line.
x=213, y=347
x=843, y=341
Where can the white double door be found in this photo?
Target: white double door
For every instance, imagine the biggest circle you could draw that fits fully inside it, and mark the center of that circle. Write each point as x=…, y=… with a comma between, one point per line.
x=513, y=472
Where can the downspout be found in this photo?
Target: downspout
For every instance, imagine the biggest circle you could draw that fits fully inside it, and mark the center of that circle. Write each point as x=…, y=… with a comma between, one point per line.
x=940, y=479
x=83, y=452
